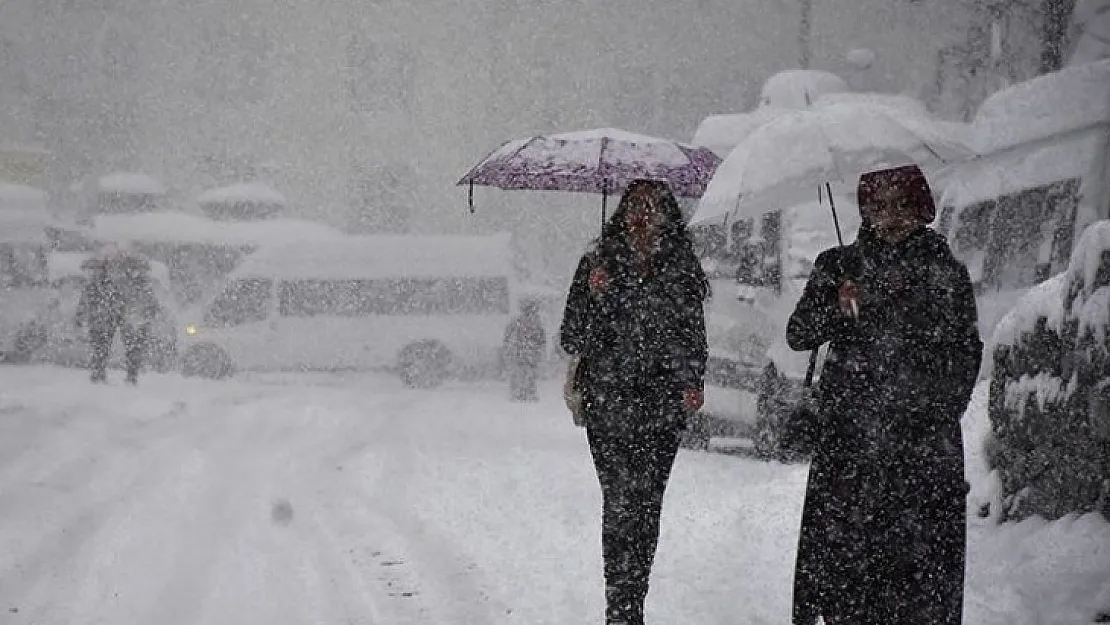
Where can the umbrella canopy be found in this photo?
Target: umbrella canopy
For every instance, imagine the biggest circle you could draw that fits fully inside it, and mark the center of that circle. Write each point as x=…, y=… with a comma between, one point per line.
x=594, y=161
x=782, y=163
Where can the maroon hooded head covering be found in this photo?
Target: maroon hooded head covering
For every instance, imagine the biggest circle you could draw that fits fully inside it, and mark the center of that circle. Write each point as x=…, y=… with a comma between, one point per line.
x=910, y=182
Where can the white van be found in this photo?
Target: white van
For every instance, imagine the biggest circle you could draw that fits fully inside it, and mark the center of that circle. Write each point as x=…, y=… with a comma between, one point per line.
x=428, y=306
x=1013, y=214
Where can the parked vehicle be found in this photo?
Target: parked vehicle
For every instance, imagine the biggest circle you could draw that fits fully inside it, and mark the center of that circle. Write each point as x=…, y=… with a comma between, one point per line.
x=428, y=307
x=758, y=269
x=23, y=277
x=1013, y=215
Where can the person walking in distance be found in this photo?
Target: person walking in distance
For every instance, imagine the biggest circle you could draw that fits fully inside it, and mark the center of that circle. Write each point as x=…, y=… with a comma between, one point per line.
x=524, y=346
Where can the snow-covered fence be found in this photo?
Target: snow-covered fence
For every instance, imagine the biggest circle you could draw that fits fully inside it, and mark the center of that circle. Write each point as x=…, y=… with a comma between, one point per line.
x=1050, y=362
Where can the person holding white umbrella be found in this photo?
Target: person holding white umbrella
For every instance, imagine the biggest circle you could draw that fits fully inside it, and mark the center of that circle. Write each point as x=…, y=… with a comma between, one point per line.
x=882, y=537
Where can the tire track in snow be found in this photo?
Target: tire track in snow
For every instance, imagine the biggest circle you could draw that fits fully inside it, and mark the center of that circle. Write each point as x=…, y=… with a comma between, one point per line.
x=230, y=470
x=66, y=542
x=451, y=590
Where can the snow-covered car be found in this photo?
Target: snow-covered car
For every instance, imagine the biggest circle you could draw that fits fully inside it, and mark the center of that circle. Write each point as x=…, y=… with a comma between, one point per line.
x=1013, y=214
x=746, y=316
x=57, y=339
x=428, y=307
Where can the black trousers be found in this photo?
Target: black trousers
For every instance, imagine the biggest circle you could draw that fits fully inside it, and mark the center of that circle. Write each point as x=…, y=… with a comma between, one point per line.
x=101, y=334
x=633, y=441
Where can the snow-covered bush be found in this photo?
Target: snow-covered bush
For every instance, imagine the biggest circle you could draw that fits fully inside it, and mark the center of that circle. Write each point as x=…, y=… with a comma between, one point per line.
x=1049, y=362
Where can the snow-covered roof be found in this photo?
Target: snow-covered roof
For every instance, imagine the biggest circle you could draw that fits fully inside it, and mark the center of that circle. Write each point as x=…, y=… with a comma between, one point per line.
x=246, y=192
x=1046, y=106
x=1043, y=300
x=1011, y=171
x=722, y=133
x=798, y=88
x=130, y=184
x=21, y=195
x=177, y=227
x=383, y=256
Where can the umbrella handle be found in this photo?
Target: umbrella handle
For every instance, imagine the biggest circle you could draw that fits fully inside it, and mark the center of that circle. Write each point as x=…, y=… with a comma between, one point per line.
x=470, y=197
x=836, y=220
x=604, y=202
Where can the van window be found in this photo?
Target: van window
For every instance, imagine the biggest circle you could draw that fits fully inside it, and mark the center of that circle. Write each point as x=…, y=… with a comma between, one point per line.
x=1019, y=239
x=397, y=296
x=242, y=301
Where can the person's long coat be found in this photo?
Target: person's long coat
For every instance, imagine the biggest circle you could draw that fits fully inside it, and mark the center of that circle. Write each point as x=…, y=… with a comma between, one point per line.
x=883, y=528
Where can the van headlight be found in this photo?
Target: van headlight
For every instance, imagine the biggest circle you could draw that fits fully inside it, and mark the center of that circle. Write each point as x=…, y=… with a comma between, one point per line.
x=190, y=330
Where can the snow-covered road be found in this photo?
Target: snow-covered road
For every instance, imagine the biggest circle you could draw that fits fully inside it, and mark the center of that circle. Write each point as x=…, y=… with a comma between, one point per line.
x=349, y=499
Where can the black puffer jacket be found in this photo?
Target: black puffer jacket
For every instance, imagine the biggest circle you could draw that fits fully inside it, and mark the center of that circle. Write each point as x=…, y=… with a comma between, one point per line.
x=637, y=328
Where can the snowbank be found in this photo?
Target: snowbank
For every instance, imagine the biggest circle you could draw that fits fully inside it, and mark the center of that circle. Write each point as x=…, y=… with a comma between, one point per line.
x=1093, y=243
x=245, y=192
x=1043, y=300
x=477, y=509
x=130, y=184
x=1050, y=105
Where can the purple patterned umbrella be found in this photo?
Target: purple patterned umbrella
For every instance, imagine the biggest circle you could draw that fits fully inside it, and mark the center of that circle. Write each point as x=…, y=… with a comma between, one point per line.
x=593, y=161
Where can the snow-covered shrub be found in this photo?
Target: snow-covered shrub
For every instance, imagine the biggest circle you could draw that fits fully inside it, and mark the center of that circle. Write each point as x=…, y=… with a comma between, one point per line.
x=1049, y=362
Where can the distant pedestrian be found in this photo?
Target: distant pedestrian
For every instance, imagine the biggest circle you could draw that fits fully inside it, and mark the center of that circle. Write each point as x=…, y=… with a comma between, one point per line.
x=118, y=297
x=524, y=347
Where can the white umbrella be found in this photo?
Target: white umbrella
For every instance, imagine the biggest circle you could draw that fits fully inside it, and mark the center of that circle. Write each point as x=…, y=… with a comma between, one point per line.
x=786, y=160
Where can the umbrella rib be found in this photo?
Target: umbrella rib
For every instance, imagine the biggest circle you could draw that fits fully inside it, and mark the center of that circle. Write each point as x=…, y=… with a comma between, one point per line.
x=470, y=173
x=924, y=143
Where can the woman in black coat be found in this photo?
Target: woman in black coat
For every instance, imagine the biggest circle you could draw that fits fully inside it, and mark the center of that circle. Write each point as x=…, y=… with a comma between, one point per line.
x=634, y=317
x=883, y=528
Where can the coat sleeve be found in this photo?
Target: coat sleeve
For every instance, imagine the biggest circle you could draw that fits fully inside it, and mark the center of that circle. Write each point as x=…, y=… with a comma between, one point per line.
x=693, y=344
x=955, y=349
x=574, y=334
x=816, y=320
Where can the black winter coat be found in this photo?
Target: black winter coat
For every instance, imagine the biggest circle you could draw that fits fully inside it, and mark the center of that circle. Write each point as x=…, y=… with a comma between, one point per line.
x=639, y=333
x=882, y=536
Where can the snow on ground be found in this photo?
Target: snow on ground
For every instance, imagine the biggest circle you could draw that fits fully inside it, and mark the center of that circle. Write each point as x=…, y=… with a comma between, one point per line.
x=349, y=499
